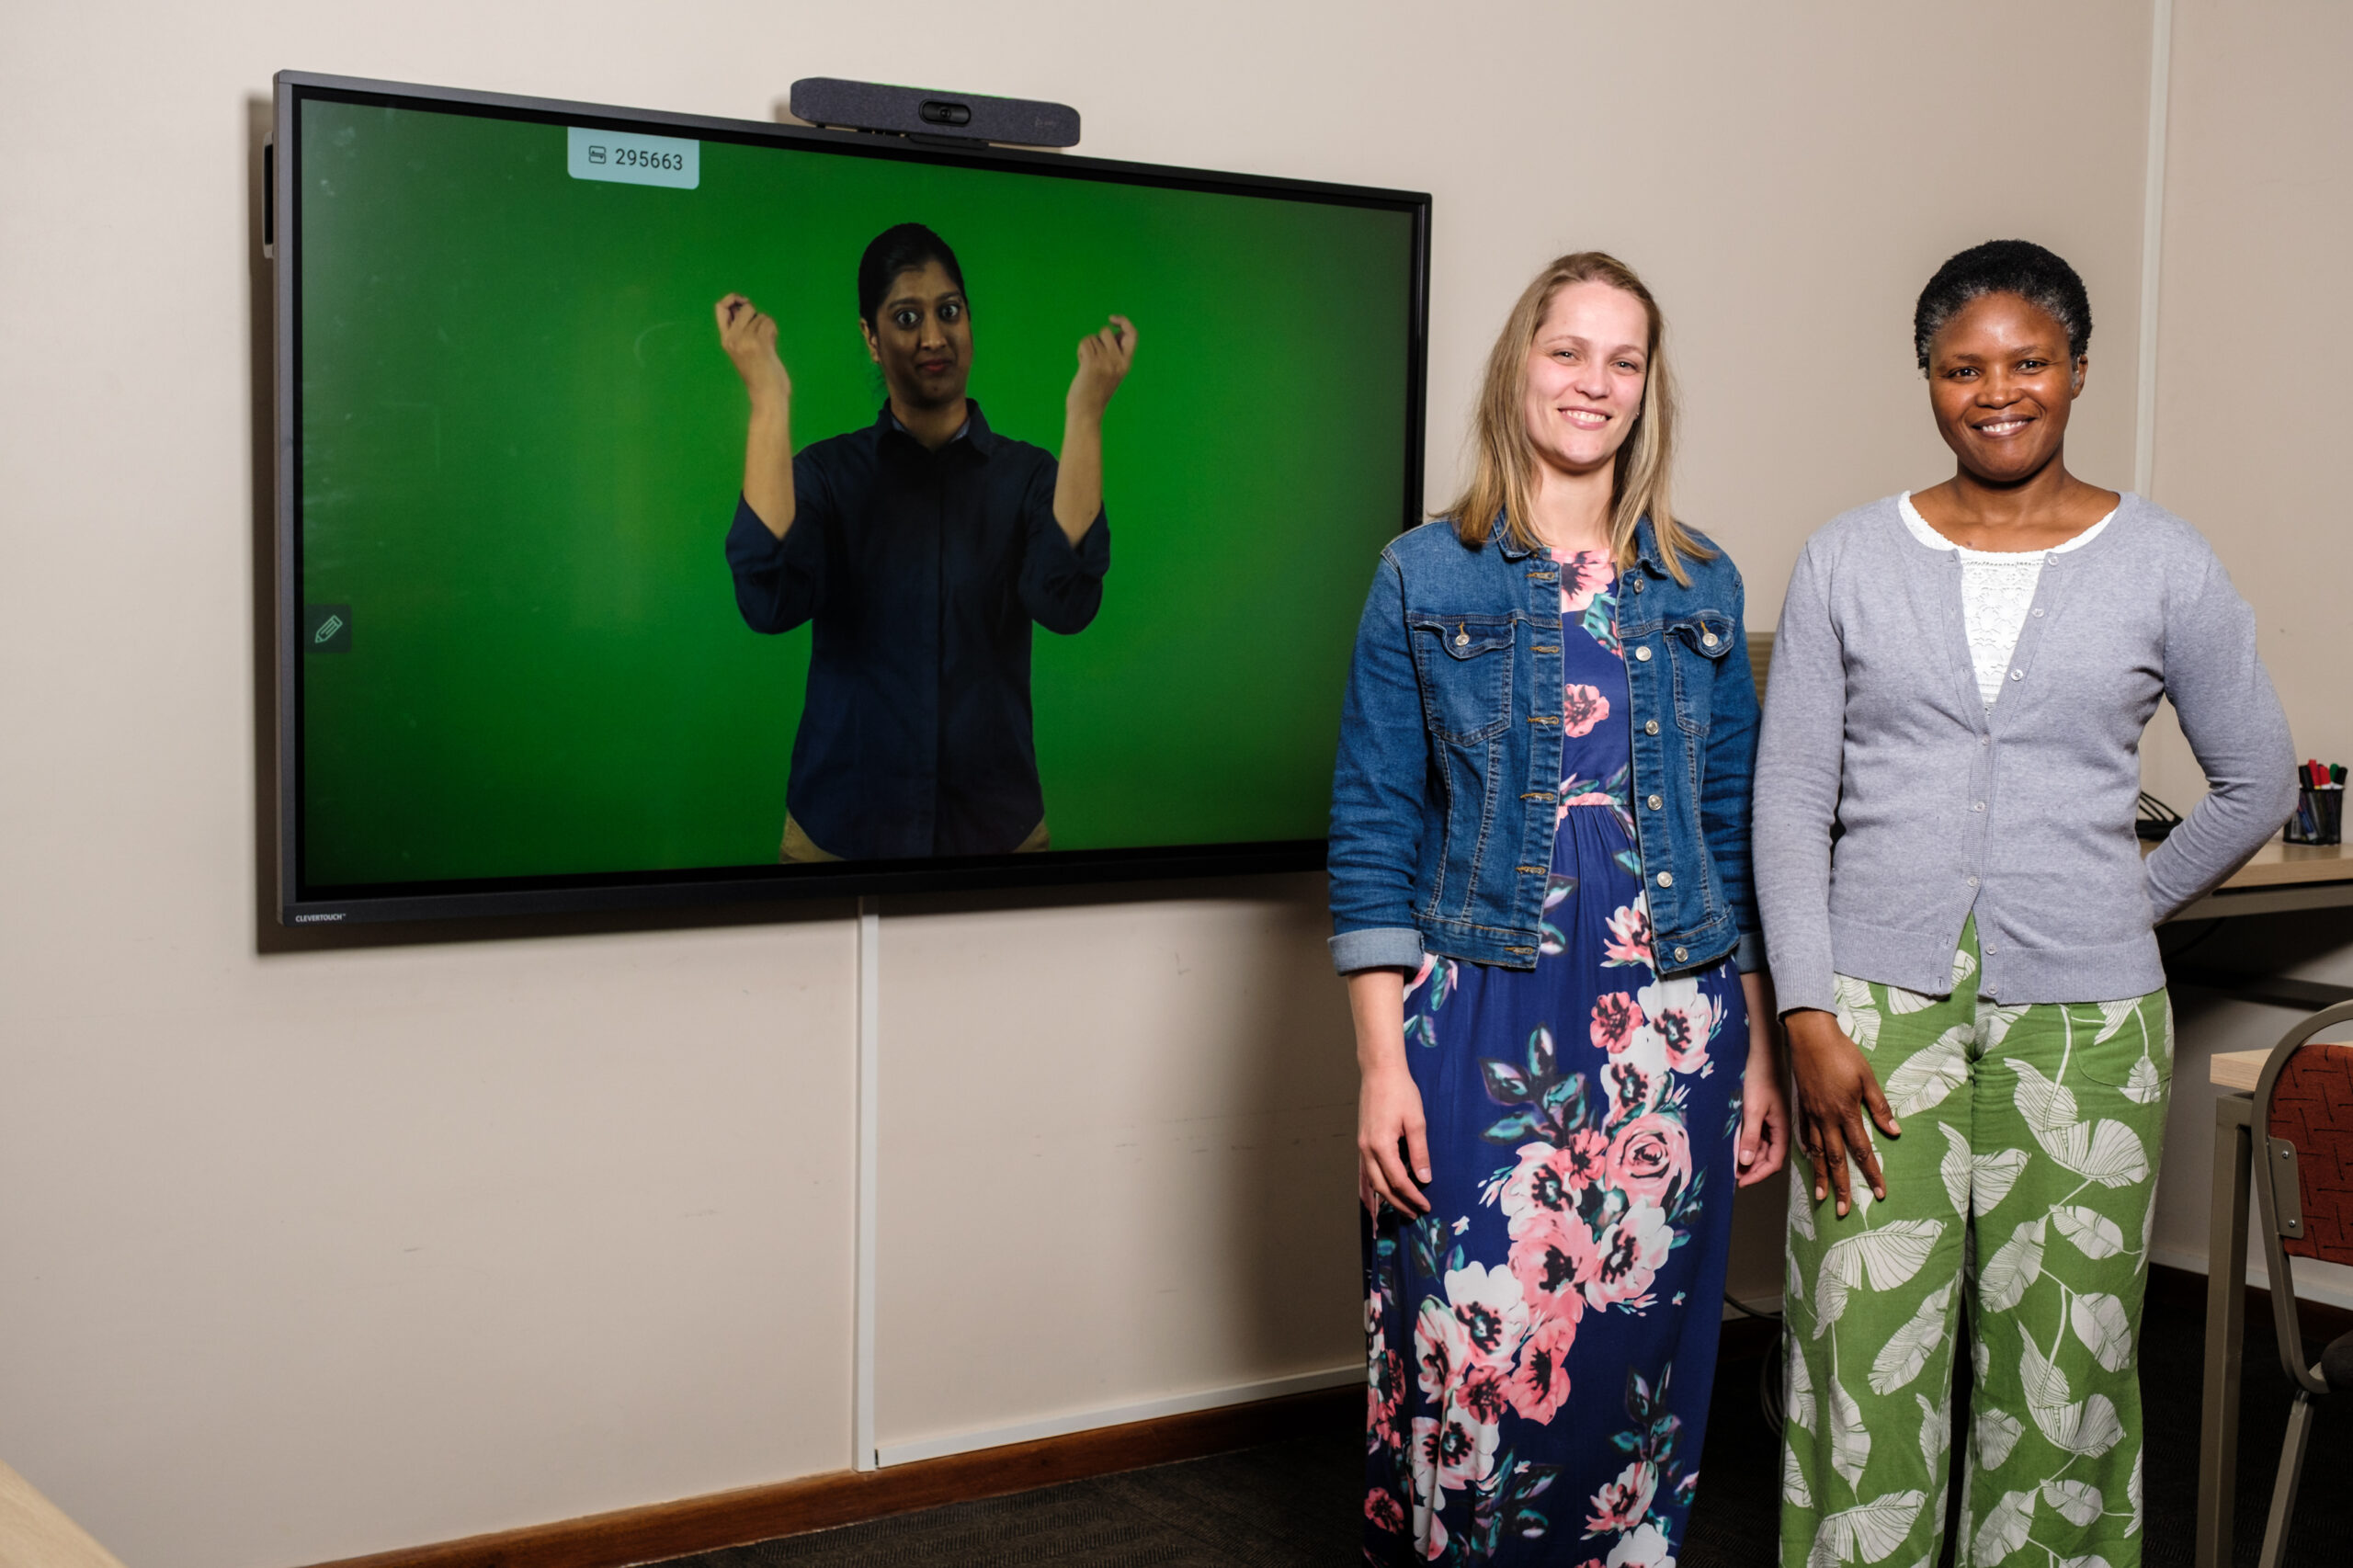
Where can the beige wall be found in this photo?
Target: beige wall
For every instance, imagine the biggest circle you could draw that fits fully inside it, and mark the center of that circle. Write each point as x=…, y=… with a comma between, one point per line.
x=2256, y=329
x=324, y=1249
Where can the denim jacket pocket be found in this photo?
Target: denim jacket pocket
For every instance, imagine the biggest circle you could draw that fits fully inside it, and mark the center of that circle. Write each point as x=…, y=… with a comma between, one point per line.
x=1465, y=662
x=1699, y=642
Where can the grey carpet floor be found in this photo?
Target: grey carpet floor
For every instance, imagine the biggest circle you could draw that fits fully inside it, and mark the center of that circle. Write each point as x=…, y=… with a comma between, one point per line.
x=1296, y=1504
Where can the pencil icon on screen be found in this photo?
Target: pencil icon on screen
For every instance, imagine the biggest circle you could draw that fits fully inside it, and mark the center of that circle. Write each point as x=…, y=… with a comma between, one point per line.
x=328, y=628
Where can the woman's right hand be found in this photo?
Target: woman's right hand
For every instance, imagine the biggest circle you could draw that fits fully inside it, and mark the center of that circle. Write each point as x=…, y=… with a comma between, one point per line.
x=749, y=336
x=1835, y=1083
x=1389, y=1112
x=1389, y=1103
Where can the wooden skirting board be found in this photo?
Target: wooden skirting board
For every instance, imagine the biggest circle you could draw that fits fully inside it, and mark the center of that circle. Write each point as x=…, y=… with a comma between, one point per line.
x=845, y=1497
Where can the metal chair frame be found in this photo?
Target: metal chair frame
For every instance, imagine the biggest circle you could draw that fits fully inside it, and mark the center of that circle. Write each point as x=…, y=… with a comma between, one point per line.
x=2280, y=1203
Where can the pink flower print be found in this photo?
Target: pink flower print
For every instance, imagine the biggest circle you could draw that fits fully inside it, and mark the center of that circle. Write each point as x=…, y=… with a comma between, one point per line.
x=1621, y=1504
x=1440, y=1349
x=1383, y=1510
x=1429, y=1531
x=1487, y=1304
x=1384, y=1388
x=1540, y=1385
x=1581, y=707
x=1650, y=1157
x=1629, y=1087
x=1544, y=1189
x=1644, y=1546
x=1582, y=1157
x=1455, y=1452
x=1687, y=1019
x=1635, y=1072
x=1631, y=1249
x=1482, y=1392
x=1630, y=934
x=1583, y=574
x=1615, y=1019
x=1554, y=1262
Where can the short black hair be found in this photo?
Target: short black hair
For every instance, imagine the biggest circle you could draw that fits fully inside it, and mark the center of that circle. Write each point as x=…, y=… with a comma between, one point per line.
x=2004, y=267
x=901, y=248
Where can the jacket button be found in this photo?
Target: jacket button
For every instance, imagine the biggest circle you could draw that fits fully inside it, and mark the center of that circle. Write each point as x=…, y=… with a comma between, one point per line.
x=1651, y=727
x=1666, y=878
x=1682, y=953
x=1642, y=656
x=1708, y=640
x=1654, y=802
x=1638, y=585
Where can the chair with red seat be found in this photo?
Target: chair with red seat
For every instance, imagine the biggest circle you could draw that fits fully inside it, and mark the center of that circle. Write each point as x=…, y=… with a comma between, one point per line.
x=2303, y=1184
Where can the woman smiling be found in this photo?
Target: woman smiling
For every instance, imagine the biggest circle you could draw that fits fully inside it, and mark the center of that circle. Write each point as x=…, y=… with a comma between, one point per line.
x=1541, y=896
x=923, y=546
x=1960, y=924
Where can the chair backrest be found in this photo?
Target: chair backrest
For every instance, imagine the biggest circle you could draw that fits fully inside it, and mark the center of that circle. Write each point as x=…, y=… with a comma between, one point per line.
x=2300, y=1102
x=2311, y=1108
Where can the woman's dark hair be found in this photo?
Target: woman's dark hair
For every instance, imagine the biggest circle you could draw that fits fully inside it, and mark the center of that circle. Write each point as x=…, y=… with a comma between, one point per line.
x=901, y=248
x=2004, y=267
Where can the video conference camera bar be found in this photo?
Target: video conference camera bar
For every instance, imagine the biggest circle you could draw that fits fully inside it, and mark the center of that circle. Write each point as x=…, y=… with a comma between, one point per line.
x=921, y=112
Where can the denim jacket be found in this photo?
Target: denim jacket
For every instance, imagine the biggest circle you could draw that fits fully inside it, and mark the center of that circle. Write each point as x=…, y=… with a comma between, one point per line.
x=1444, y=799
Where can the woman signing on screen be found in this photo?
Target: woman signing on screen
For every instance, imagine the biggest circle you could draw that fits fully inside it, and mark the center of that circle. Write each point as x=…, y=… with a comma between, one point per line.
x=1959, y=921
x=922, y=547
x=1541, y=896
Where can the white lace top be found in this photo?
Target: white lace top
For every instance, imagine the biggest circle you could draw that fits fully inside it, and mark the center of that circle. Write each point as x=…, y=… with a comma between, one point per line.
x=1996, y=589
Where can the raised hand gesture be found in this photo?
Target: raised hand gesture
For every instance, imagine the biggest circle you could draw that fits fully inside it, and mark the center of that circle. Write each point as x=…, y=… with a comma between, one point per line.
x=749, y=339
x=1103, y=361
x=748, y=335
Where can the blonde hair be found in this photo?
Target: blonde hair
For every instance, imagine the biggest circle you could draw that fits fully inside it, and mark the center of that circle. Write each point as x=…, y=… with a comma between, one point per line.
x=1501, y=481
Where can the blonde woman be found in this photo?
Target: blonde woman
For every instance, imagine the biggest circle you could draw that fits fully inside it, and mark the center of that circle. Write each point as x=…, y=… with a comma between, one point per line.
x=1541, y=903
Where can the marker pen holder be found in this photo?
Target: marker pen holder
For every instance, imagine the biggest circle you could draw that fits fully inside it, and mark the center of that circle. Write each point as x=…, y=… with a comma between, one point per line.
x=2320, y=815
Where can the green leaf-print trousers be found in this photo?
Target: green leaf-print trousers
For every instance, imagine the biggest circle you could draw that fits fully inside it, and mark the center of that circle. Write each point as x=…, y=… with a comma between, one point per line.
x=2024, y=1187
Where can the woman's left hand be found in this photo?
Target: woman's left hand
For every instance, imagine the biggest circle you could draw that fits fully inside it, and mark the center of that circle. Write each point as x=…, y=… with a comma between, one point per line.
x=1104, y=360
x=1764, y=1146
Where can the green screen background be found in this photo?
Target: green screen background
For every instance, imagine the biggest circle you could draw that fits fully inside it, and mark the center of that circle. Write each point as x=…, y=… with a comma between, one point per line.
x=521, y=449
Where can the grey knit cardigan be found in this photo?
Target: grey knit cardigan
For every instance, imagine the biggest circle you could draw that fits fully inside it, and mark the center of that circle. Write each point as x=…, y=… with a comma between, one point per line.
x=1890, y=802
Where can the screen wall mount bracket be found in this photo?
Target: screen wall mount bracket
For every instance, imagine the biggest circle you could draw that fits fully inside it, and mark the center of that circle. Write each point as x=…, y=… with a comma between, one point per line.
x=926, y=113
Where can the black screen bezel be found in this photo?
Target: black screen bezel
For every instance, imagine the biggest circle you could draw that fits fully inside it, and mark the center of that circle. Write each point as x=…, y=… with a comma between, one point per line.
x=300, y=903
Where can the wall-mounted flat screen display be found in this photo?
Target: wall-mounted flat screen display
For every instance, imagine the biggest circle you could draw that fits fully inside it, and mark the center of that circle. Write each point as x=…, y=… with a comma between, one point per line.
x=676, y=509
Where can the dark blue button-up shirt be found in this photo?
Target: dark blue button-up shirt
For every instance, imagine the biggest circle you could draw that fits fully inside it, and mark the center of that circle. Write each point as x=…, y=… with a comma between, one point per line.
x=922, y=571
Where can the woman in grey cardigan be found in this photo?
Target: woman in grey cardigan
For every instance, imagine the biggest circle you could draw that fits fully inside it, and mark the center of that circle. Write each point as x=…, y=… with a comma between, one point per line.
x=1960, y=924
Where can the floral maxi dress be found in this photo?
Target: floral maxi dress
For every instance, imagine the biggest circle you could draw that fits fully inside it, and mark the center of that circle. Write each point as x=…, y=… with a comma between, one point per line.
x=1540, y=1346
